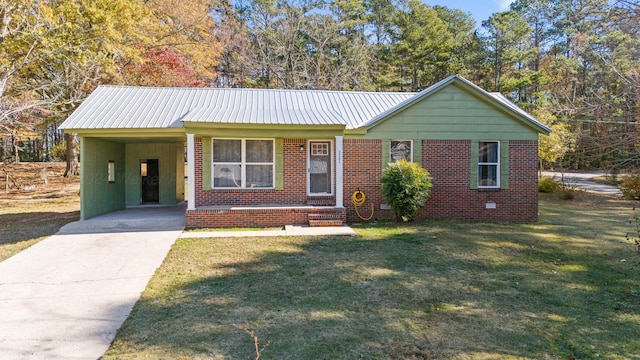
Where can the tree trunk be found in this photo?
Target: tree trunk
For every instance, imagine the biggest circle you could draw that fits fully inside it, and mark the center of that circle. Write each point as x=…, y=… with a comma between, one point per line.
x=73, y=166
x=16, y=149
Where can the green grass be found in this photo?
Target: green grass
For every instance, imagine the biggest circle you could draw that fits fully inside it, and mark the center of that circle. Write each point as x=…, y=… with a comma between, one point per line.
x=557, y=289
x=23, y=224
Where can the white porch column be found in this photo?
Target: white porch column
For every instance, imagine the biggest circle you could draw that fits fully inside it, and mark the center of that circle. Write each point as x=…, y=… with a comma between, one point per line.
x=339, y=168
x=191, y=172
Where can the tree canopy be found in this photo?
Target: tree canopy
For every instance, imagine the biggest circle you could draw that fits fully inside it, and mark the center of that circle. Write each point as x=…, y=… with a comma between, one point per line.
x=575, y=65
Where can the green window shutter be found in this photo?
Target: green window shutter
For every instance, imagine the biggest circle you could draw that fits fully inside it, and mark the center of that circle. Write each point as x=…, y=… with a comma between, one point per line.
x=206, y=163
x=386, y=155
x=474, y=164
x=417, y=151
x=504, y=164
x=279, y=164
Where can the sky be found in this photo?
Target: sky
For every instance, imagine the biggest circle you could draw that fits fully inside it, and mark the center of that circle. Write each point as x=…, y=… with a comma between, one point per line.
x=479, y=9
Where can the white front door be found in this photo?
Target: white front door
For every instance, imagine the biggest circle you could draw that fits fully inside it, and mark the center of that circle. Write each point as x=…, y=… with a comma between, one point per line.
x=319, y=168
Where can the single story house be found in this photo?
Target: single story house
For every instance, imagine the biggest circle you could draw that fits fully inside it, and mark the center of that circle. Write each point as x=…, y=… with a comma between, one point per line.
x=267, y=157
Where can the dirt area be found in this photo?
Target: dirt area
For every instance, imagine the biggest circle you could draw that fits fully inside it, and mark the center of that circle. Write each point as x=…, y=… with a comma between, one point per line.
x=31, y=178
x=31, y=208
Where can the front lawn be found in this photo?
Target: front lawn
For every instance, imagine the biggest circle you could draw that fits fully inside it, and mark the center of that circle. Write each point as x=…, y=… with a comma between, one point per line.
x=566, y=287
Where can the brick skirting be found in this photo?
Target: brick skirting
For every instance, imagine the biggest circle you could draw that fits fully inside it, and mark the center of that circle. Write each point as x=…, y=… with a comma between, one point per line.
x=257, y=217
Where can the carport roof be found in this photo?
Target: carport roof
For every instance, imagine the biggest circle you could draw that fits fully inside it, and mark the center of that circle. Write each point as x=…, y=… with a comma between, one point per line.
x=129, y=107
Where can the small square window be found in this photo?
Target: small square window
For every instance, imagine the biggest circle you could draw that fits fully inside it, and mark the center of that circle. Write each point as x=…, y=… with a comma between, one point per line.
x=401, y=150
x=319, y=149
x=111, y=172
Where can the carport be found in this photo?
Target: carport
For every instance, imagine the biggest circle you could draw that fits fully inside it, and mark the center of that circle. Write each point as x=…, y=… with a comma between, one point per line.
x=126, y=170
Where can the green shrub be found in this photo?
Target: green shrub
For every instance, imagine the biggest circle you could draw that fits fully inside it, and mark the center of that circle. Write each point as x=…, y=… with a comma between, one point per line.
x=630, y=187
x=548, y=185
x=568, y=194
x=405, y=186
x=59, y=152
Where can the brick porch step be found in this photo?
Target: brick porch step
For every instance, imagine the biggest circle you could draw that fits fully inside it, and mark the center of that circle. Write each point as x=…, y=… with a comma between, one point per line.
x=325, y=219
x=321, y=202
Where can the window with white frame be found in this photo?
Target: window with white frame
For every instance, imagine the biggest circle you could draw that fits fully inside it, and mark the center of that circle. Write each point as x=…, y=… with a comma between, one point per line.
x=111, y=171
x=401, y=150
x=488, y=164
x=243, y=163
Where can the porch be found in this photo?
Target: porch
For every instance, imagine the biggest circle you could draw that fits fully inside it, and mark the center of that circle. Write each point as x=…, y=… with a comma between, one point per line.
x=264, y=216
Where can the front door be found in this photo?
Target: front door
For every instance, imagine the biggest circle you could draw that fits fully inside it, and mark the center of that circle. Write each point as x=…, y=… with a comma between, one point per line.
x=320, y=168
x=150, y=175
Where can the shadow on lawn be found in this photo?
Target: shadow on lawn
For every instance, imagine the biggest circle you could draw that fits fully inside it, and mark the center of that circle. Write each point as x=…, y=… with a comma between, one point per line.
x=444, y=289
x=18, y=227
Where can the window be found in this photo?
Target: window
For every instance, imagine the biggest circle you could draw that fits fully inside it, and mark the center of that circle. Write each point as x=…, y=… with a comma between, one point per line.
x=243, y=163
x=111, y=172
x=489, y=164
x=401, y=149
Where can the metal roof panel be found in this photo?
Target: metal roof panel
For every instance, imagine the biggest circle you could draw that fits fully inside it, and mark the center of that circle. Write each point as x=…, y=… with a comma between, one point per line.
x=124, y=107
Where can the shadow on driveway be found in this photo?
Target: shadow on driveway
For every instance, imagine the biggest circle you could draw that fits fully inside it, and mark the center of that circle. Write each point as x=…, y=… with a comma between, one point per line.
x=142, y=218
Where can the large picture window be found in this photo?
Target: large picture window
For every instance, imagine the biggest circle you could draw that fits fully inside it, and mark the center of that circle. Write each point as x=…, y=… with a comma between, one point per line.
x=489, y=164
x=243, y=163
x=401, y=150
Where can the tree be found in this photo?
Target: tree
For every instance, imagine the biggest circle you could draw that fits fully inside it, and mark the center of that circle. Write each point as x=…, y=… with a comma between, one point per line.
x=506, y=50
x=465, y=52
x=424, y=45
x=406, y=187
x=23, y=26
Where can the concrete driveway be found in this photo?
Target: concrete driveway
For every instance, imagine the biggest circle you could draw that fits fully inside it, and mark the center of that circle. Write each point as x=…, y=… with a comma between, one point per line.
x=65, y=297
x=583, y=180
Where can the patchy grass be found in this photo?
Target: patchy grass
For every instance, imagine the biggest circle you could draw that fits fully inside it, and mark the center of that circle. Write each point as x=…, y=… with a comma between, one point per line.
x=26, y=217
x=557, y=289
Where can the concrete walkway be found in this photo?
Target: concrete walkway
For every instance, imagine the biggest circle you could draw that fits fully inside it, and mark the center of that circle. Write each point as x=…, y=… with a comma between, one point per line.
x=289, y=230
x=66, y=296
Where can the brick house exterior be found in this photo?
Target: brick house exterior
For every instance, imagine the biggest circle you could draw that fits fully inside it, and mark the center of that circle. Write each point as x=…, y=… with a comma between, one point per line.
x=317, y=148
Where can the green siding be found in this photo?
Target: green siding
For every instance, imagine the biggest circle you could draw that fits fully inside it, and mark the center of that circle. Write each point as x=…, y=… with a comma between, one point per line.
x=170, y=164
x=206, y=163
x=386, y=152
x=279, y=164
x=452, y=114
x=474, y=164
x=265, y=131
x=504, y=165
x=98, y=196
x=180, y=173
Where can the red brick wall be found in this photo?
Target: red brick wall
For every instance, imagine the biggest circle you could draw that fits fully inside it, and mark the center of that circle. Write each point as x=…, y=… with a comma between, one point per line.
x=452, y=196
x=448, y=162
x=294, y=190
x=362, y=161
